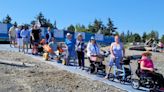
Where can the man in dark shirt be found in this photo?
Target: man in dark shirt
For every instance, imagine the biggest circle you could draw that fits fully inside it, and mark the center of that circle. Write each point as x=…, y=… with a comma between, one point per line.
x=36, y=38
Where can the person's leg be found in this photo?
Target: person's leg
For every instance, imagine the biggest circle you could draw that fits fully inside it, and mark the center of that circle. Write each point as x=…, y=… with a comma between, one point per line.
x=30, y=42
x=79, y=58
x=82, y=60
x=27, y=47
x=108, y=72
x=18, y=42
x=10, y=41
x=34, y=48
x=111, y=62
x=14, y=42
x=23, y=47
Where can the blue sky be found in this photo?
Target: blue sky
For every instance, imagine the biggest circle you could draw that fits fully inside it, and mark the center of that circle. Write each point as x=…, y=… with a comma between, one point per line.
x=134, y=15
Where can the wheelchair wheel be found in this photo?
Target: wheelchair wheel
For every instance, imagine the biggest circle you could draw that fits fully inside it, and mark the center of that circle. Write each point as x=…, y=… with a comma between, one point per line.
x=135, y=83
x=122, y=81
x=92, y=68
x=111, y=77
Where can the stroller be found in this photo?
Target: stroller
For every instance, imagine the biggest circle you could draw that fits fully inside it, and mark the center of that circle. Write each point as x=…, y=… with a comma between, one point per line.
x=96, y=63
x=124, y=74
x=144, y=81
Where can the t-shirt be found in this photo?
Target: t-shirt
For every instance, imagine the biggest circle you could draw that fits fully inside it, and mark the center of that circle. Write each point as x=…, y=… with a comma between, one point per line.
x=18, y=33
x=25, y=33
x=70, y=44
x=53, y=46
x=148, y=63
x=36, y=34
x=12, y=32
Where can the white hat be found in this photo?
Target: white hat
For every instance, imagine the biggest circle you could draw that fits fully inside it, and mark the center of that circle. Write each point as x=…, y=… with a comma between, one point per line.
x=92, y=38
x=79, y=34
x=68, y=34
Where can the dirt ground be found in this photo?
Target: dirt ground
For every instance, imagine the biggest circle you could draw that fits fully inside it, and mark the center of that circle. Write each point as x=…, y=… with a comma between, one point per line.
x=43, y=77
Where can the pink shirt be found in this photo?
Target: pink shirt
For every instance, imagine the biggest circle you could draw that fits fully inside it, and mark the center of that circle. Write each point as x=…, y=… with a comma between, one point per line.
x=147, y=62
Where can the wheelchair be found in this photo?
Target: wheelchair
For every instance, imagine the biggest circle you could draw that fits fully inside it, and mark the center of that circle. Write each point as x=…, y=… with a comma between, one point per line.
x=144, y=81
x=97, y=65
x=124, y=74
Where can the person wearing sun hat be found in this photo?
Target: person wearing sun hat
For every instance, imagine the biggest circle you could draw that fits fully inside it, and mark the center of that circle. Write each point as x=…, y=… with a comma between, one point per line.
x=70, y=43
x=147, y=68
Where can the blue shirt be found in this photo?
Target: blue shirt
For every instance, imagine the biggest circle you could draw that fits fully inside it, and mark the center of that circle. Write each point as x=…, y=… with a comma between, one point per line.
x=25, y=33
x=70, y=44
x=18, y=33
x=53, y=46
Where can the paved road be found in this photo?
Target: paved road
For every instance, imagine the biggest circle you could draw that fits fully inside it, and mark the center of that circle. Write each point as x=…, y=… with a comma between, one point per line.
x=77, y=71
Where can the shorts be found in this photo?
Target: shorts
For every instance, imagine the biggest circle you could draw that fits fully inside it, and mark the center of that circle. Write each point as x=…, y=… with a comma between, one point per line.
x=25, y=40
x=117, y=62
x=36, y=42
x=11, y=38
x=19, y=42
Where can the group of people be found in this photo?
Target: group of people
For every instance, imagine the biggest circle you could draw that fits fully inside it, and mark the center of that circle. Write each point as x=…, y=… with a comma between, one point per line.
x=76, y=49
x=26, y=37
x=156, y=45
x=21, y=36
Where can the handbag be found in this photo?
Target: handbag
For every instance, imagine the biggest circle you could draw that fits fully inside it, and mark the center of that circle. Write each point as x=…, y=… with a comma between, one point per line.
x=97, y=58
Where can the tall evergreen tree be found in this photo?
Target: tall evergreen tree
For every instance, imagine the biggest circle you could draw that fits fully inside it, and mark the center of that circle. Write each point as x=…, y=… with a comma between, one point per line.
x=144, y=36
x=110, y=27
x=7, y=20
x=71, y=28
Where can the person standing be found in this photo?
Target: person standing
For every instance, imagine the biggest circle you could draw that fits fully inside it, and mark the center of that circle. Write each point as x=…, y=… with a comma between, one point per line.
x=30, y=31
x=12, y=35
x=36, y=35
x=48, y=35
x=70, y=43
x=117, y=51
x=161, y=45
x=18, y=37
x=25, y=38
x=80, y=46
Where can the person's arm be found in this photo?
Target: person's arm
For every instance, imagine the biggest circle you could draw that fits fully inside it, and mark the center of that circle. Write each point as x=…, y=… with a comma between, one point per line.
x=40, y=35
x=21, y=33
x=111, y=50
x=9, y=31
x=145, y=68
x=32, y=35
x=49, y=39
x=123, y=48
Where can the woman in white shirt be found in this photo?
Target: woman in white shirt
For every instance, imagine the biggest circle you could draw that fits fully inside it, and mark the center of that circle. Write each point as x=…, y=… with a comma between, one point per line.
x=25, y=34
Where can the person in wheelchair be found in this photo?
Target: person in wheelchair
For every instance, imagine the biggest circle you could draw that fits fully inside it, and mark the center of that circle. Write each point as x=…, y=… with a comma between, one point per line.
x=94, y=54
x=53, y=45
x=94, y=50
x=147, y=69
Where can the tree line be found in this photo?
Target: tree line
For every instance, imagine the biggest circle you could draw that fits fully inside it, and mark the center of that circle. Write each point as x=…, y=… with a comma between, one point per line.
x=97, y=26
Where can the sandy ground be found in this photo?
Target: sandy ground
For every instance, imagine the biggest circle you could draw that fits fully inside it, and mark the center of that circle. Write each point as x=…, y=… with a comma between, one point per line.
x=42, y=77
